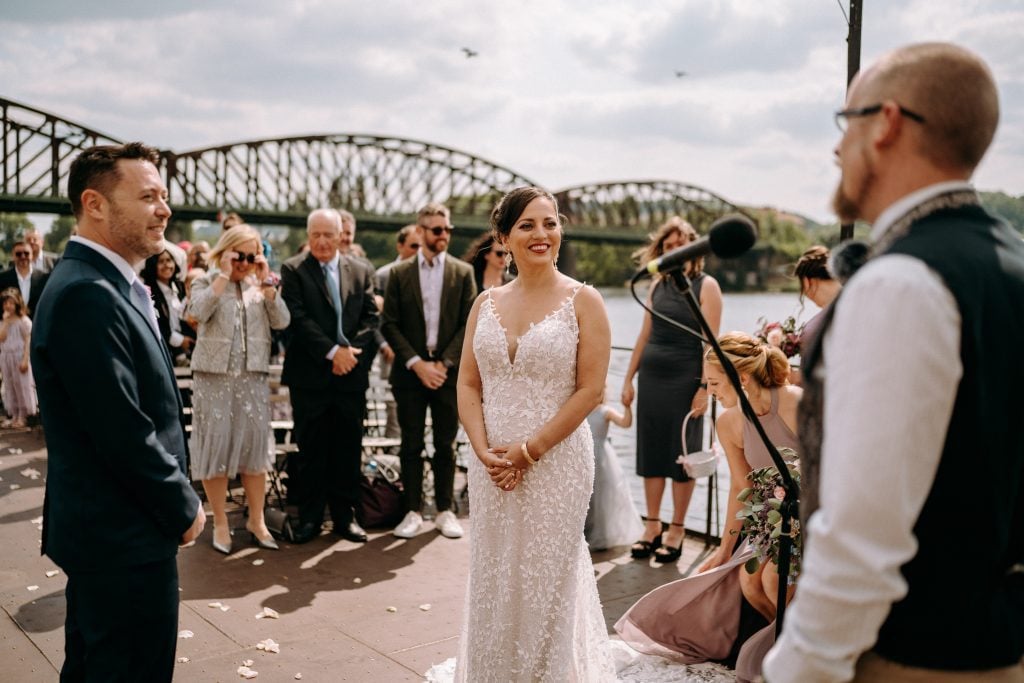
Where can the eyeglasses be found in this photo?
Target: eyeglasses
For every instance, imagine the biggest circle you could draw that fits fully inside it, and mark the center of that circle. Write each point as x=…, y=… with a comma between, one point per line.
x=437, y=232
x=23, y=253
x=500, y=253
x=414, y=245
x=242, y=258
x=843, y=116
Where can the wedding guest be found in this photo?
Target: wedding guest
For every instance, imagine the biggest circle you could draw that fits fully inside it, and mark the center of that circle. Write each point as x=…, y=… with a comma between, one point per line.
x=425, y=309
x=19, y=392
x=161, y=274
x=710, y=616
x=612, y=518
x=912, y=399
x=490, y=266
x=24, y=277
x=817, y=284
x=668, y=362
x=197, y=255
x=230, y=395
x=326, y=369
x=533, y=366
x=43, y=261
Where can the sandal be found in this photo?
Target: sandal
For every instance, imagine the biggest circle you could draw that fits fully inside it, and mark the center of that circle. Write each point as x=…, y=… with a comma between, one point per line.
x=643, y=548
x=667, y=553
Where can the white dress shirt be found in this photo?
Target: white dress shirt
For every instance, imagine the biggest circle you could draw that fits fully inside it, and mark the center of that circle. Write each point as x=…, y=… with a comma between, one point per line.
x=431, y=283
x=892, y=369
x=24, y=284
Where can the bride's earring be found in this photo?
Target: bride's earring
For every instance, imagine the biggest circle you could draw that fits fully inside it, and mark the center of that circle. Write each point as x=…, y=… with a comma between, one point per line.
x=508, y=260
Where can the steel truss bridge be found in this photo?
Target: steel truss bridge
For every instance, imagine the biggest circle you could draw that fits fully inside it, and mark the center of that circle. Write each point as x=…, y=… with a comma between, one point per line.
x=382, y=180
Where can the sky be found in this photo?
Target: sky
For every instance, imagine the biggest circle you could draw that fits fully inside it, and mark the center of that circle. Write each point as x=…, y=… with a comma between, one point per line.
x=564, y=92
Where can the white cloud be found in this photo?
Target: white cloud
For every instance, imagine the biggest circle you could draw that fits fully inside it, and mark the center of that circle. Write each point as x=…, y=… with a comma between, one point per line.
x=562, y=92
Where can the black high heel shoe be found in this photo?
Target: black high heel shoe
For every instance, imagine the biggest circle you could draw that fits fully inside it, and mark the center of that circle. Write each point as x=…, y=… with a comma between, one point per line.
x=643, y=548
x=667, y=553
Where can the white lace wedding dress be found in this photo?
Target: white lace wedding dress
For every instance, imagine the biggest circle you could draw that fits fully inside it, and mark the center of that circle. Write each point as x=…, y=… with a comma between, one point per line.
x=532, y=611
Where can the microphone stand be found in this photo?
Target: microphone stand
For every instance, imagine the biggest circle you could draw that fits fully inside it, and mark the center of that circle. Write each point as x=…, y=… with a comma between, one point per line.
x=790, y=505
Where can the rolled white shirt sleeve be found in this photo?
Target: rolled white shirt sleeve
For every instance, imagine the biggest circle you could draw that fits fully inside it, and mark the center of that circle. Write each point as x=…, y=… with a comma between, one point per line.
x=892, y=372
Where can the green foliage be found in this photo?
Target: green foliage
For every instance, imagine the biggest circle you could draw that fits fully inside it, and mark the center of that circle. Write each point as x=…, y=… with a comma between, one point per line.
x=1009, y=207
x=604, y=265
x=12, y=229
x=60, y=230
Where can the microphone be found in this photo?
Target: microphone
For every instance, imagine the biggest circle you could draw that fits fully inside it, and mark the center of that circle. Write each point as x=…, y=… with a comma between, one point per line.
x=729, y=236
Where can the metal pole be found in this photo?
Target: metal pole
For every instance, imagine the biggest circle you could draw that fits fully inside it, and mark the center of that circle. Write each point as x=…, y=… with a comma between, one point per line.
x=852, y=67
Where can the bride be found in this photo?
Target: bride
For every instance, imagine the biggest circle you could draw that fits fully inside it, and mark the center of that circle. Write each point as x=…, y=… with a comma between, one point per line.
x=533, y=366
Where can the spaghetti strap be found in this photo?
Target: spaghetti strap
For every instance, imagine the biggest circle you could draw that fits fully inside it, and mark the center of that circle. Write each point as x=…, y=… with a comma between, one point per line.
x=774, y=408
x=576, y=290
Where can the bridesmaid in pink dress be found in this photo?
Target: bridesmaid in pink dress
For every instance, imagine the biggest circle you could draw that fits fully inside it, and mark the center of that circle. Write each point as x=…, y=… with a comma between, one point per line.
x=697, y=619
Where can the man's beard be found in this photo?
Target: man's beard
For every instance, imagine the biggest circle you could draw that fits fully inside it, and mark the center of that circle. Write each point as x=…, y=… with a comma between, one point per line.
x=847, y=208
x=134, y=240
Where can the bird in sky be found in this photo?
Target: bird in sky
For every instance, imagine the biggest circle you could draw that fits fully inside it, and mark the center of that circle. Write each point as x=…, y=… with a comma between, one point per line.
x=470, y=53
x=680, y=74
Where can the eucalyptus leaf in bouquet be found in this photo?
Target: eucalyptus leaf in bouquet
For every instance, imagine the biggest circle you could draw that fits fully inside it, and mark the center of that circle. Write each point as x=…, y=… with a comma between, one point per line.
x=762, y=519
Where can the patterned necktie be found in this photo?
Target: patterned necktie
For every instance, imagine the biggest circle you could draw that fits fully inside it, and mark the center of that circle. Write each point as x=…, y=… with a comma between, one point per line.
x=144, y=302
x=335, y=291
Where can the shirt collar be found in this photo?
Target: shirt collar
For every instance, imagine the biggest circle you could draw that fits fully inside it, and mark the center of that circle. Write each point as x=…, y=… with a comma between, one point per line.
x=438, y=259
x=333, y=263
x=901, y=206
x=119, y=262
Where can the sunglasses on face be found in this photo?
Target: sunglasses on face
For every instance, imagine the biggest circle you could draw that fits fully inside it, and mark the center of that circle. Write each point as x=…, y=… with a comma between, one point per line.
x=243, y=258
x=414, y=245
x=23, y=253
x=437, y=232
x=500, y=253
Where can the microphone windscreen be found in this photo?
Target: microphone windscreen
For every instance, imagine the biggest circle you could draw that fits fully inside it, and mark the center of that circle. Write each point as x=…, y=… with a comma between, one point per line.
x=732, y=235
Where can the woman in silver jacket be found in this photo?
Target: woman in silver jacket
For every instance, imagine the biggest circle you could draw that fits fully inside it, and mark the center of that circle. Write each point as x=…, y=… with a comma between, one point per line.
x=236, y=305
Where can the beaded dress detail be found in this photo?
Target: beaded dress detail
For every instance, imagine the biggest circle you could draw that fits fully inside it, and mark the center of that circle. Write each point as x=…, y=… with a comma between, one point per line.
x=532, y=609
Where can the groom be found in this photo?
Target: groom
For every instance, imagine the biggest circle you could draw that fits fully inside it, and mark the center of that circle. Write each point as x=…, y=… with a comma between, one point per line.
x=118, y=502
x=913, y=400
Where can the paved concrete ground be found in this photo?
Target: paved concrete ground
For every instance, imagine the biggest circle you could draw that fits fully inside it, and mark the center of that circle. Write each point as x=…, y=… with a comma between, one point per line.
x=332, y=596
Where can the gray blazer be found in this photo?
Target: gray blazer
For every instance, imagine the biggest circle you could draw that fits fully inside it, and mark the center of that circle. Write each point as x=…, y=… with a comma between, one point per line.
x=216, y=316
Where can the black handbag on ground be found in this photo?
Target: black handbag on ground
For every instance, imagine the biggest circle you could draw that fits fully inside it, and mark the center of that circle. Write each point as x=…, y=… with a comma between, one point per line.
x=380, y=502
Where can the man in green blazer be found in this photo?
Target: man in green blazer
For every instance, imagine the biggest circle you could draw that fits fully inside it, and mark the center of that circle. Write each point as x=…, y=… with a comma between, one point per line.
x=426, y=305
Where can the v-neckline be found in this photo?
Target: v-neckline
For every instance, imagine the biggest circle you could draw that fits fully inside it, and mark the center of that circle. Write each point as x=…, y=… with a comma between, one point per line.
x=511, y=354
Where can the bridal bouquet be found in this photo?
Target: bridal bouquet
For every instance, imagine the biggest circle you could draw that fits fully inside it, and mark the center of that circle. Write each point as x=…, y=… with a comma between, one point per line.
x=762, y=521
x=785, y=335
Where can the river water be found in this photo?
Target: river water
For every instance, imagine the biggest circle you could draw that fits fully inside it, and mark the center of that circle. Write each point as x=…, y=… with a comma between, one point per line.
x=739, y=312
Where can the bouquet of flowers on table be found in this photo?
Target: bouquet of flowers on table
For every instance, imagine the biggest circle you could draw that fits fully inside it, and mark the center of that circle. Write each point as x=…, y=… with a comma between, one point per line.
x=784, y=335
x=762, y=520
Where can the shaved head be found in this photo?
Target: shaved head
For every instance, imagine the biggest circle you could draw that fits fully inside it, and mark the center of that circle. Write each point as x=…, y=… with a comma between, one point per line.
x=951, y=88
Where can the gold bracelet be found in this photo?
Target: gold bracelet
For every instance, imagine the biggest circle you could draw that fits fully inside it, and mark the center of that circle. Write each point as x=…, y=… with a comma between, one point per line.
x=526, y=454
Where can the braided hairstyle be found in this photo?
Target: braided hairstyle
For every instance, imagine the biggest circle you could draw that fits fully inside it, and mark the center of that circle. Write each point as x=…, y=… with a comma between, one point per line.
x=812, y=265
x=764, y=363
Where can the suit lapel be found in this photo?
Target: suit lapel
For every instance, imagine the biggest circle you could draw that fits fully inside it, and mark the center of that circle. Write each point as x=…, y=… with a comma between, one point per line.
x=447, y=289
x=414, y=277
x=112, y=275
x=316, y=272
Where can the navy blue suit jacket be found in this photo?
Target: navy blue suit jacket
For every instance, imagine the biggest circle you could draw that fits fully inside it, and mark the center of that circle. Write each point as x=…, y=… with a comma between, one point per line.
x=116, y=490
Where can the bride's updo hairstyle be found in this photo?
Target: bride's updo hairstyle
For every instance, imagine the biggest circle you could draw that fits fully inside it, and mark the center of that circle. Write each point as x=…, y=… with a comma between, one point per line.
x=510, y=207
x=764, y=363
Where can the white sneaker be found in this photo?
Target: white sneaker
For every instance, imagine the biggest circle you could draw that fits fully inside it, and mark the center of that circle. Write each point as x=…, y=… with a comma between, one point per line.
x=448, y=525
x=410, y=525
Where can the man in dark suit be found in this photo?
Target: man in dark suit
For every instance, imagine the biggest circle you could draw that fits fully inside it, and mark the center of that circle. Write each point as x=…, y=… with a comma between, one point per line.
x=426, y=306
x=118, y=503
x=326, y=369
x=24, y=277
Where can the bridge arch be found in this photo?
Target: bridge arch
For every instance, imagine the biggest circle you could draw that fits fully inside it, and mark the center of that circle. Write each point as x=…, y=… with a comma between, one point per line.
x=368, y=174
x=640, y=205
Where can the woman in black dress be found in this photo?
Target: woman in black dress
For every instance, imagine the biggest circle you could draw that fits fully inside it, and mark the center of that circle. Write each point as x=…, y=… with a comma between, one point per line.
x=669, y=364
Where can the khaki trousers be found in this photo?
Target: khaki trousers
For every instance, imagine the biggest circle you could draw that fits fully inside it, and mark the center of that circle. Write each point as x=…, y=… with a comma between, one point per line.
x=874, y=669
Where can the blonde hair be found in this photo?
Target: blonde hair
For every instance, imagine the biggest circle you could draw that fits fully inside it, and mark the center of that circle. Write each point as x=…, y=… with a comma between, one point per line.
x=231, y=238
x=434, y=209
x=764, y=363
